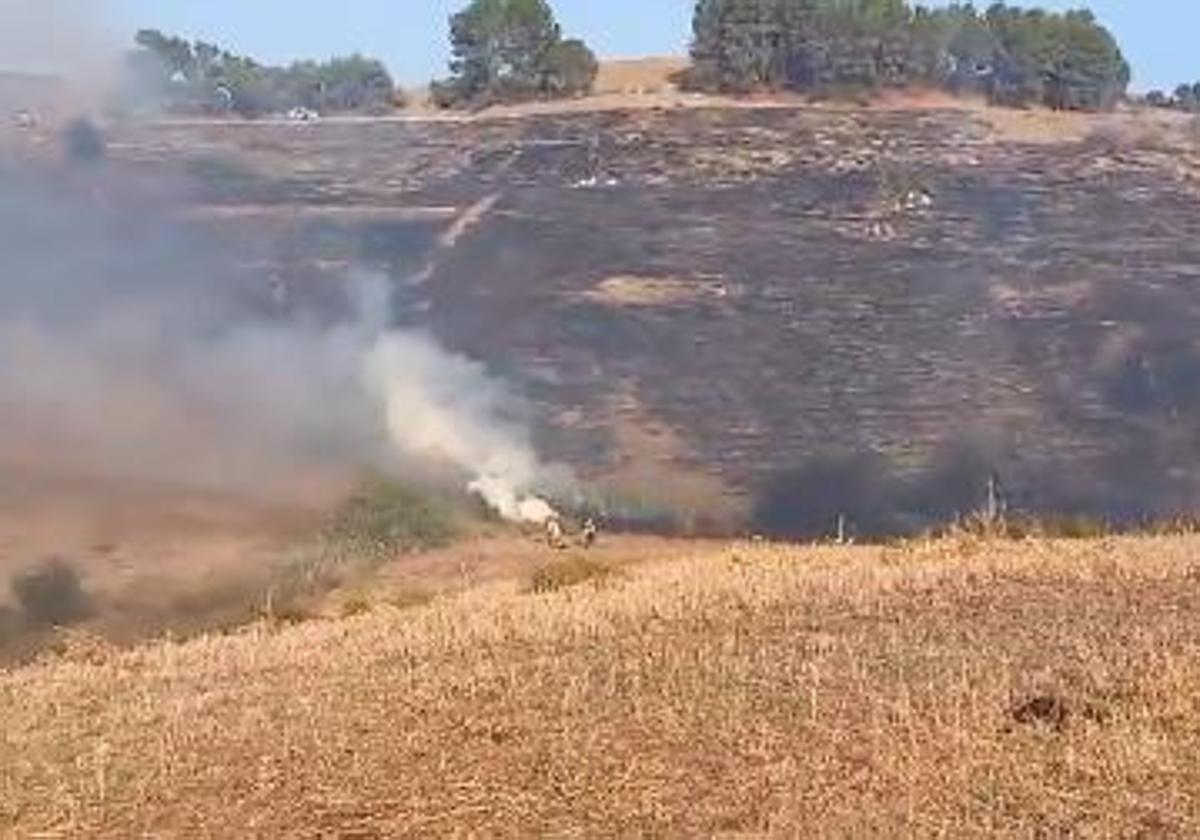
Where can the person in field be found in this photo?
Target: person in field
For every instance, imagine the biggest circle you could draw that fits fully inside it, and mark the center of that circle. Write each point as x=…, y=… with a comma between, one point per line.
x=554, y=533
x=589, y=533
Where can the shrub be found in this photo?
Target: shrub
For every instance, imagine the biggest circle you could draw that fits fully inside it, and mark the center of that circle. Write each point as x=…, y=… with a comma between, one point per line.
x=84, y=142
x=1157, y=99
x=387, y=517
x=571, y=69
x=443, y=94
x=382, y=520
x=51, y=594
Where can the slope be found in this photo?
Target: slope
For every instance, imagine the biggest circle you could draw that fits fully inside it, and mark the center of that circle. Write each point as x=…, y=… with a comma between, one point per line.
x=963, y=688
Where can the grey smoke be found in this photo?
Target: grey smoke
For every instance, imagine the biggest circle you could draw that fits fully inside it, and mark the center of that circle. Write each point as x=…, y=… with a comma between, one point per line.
x=136, y=349
x=66, y=38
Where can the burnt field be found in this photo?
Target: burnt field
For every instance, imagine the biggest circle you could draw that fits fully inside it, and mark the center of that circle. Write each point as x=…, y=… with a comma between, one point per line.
x=781, y=314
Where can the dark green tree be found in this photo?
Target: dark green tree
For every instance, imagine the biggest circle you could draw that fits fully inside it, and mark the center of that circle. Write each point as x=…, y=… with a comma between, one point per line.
x=570, y=69
x=707, y=45
x=175, y=55
x=512, y=50
x=1187, y=97
x=354, y=83
x=500, y=48
x=1010, y=54
x=1065, y=61
x=183, y=77
x=971, y=58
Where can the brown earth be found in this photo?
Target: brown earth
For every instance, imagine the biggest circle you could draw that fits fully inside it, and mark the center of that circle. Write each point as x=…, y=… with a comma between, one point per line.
x=153, y=559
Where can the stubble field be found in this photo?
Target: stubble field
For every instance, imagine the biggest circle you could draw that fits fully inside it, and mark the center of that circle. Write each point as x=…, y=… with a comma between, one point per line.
x=957, y=688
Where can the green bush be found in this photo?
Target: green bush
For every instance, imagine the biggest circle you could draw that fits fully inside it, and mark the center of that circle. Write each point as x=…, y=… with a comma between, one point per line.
x=387, y=517
x=382, y=520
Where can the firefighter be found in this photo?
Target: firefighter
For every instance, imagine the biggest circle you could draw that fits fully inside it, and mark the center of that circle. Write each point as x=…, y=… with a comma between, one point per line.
x=554, y=534
x=587, y=536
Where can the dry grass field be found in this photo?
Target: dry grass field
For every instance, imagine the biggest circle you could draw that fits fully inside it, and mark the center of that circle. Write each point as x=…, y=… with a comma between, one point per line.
x=639, y=75
x=961, y=688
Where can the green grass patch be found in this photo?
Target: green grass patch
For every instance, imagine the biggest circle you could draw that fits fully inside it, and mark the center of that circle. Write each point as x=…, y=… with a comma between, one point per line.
x=381, y=521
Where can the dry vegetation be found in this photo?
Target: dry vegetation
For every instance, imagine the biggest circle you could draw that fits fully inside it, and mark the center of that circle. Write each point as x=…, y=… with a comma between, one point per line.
x=657, y=74
x=952, y=689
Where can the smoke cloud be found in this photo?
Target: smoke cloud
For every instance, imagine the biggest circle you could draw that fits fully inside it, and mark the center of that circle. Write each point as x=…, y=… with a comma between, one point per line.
x=145, y=351
x=444, y=407
x=65, y=38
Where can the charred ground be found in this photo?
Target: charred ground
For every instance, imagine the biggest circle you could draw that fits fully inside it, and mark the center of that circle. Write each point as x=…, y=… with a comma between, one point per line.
x=797, y=313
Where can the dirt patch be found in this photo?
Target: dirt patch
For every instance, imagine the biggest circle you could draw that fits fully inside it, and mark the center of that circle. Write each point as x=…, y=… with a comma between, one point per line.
x=150, y=558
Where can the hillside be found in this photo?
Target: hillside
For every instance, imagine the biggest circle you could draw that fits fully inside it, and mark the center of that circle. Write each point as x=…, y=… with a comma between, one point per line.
x=638, y=75
x=794, y=312
x=964, y=688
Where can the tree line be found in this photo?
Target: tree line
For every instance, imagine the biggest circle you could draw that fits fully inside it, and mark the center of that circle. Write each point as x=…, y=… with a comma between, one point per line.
x=180, y=76
x=1013, y=56
x=1185, y=98
x=503, y=51
x=515, y=50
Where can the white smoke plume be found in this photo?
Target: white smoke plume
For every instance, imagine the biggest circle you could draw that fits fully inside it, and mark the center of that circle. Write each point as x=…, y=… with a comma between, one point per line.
x=444, y=407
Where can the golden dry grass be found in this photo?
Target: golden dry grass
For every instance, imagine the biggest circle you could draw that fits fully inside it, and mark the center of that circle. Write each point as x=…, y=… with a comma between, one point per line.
x=737, y=691
x=654, y=74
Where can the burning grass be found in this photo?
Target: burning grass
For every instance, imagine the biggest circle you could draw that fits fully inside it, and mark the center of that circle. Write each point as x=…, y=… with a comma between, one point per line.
x=967, y=687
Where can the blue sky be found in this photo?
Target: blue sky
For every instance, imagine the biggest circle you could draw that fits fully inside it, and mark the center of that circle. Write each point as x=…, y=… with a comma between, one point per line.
x=1159, y=36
